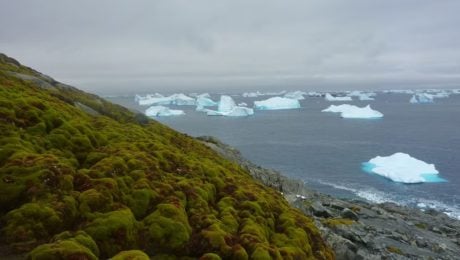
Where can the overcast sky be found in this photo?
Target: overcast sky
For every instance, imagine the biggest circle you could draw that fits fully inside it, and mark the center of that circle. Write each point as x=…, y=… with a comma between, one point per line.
x=124, y=46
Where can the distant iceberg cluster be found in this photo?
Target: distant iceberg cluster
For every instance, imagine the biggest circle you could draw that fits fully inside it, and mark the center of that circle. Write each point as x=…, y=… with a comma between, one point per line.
x=401, y=167
x=350, y=111
x=278, y=100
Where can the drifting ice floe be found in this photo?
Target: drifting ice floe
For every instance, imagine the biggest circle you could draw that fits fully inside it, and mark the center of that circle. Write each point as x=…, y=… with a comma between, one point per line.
x=227, y=107
x=350, y=111
x=295, y=95
x=421, y=98
x=401, y=167
x=362, y=96
x=162, y=111
x=276, y=103
x=329, y=97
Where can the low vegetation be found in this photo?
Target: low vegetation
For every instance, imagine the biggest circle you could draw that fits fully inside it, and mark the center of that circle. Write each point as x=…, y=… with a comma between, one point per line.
x=81, y=178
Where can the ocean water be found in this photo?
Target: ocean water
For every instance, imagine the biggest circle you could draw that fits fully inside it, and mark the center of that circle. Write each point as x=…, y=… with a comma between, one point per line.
x=327, y=152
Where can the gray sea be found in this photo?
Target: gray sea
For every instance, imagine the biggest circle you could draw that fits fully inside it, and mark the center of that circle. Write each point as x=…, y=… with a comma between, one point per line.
x=327, y=151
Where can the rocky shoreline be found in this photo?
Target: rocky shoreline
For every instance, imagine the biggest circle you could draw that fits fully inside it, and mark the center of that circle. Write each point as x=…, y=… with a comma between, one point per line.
x=358, y=229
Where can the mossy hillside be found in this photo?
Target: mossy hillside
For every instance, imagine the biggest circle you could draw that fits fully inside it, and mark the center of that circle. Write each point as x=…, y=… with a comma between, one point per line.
x=128, y=183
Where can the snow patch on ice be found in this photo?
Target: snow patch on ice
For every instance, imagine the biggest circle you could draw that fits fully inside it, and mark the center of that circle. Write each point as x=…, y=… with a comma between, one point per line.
x=350, y=111
x=401, y=167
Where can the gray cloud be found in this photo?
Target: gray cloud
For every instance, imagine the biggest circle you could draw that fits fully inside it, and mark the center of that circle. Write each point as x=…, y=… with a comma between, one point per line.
x=117, y=46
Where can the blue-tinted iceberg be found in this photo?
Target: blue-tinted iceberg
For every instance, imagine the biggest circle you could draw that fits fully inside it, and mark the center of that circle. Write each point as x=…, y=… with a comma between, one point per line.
x=203, y=101
x=350, y=111
x=329, y=97
x=154, y=111
x=227, y=107
x=401, y=167
x=276, y=103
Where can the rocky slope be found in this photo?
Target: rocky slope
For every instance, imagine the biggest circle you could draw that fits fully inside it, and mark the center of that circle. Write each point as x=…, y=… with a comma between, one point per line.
x=361, y=230
x=82, y=178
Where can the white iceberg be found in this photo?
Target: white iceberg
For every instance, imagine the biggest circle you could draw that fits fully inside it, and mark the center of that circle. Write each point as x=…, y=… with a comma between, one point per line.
x=350, y=111
x=329, y=97
x=227, y=107
x=401, y=167
x=421, y=98
x=295, y=95
x=276, y=103
x=154, y=111
x=157, y=99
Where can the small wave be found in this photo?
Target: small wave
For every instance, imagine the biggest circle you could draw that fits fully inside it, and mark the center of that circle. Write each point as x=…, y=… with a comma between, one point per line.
x=376, y=196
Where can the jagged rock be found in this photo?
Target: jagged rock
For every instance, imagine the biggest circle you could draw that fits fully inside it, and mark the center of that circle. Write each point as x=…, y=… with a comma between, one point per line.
x=350, y=214
x=318, y=210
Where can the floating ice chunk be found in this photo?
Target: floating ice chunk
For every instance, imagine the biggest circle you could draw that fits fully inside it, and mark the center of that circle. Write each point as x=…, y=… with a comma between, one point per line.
x=314, y=94
x=162, y=111
x=421, y=98
x=252, y=94
x=203, y=101
x=361, y=95
x=182, y=100
x=157, y=99
x=350, y=111
x=401, y=167
x=226, y=104
x=329, y=97
x=227, y=107
x=276, y=103
x=242, y=104
x=295, y=95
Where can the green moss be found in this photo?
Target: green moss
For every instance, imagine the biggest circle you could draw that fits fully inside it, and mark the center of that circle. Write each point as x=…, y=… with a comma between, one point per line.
x=32, y=221
x=261, y=253
x=71, y=160
x=113, y=231
x=65, y=249
x=333, y=222
x=421, y=225
x=131, y=255
x=394, y=250
x=167, y=227
x=210, y=256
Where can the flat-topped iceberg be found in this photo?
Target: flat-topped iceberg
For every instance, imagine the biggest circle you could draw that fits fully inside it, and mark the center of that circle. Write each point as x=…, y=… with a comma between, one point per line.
x=295, y=95
x=350, y=111
x=157, y=99
x=276, y=103
x=227, y=107
x=154, y=111
x=329, y=97
x=401, y=167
